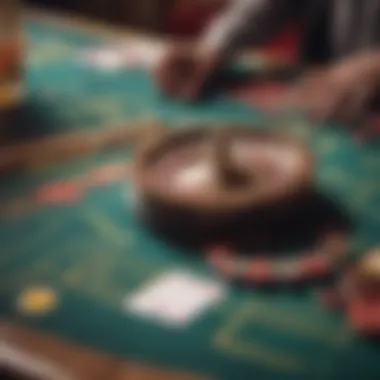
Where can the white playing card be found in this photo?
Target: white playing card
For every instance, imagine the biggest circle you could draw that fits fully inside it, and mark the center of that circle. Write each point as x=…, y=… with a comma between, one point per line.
x=104, y=60
x=134, y=54
x=175, y=298
x=143, y=53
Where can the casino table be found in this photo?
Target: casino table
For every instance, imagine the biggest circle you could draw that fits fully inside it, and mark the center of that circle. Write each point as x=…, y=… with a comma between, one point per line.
x=72, y=251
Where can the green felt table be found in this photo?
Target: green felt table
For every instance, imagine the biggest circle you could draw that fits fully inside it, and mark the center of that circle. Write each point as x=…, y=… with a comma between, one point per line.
x=91, y=254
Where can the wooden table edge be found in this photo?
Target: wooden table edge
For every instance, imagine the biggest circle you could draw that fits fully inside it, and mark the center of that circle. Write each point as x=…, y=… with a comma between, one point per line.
x=59, y=359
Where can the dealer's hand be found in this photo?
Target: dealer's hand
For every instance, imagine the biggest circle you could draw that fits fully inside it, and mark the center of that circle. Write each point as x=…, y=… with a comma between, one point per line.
x=341, y=92
x=184, y=70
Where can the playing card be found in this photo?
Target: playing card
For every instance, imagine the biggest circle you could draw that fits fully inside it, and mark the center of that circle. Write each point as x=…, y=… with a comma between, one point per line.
x=134, y=54
x=143, y=53
x=104, y=59
x=175, y=298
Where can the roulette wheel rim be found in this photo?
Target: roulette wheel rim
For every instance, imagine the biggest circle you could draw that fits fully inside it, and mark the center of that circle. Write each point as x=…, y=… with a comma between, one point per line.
x=224, y=203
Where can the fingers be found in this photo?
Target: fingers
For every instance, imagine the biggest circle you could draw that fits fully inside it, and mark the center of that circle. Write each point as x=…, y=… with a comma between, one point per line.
x=318, y=97
x=325, y=99
x=181, y=75
x=191, y=86
x=358, y=106
x=342, y=93
x=334, y=104
x=346, y=105
x=177, y=85
x=164, y=77
x=184, y=71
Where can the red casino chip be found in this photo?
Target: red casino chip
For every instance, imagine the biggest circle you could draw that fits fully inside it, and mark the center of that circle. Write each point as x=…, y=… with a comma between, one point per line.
x=59, y=192
x=262, y=269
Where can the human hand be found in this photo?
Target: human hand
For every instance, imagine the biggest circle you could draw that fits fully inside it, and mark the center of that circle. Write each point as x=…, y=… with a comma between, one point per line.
x=342, y=92
x=183, y=71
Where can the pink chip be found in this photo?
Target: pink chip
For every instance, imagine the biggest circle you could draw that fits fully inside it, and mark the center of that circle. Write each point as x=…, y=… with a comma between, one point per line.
x=315, y=264
x=260, y=270
x=59, y=192
x=224, y=266
x=220, y=259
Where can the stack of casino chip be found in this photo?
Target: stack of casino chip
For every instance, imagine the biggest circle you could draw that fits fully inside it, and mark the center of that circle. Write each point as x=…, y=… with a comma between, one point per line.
x=265, y=268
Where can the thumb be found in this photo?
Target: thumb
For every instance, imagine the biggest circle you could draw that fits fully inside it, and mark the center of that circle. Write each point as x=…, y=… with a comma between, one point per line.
x=193, y=84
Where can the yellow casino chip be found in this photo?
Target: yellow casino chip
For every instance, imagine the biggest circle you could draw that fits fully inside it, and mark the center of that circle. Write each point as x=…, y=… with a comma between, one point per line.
x=37, y=300
x=10, y=95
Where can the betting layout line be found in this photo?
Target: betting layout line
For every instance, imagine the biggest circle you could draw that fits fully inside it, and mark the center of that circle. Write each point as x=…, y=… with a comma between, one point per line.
x=68, y=146
x=22, y=206
x=224, y=340
x=360, y=200
x=283, y=320
x=29, y=242
x=99, y=255
x=25, y=275
x=50, y=51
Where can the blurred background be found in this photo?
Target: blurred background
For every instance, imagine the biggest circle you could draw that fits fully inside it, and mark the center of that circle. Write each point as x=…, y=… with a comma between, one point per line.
x=167, y=16
x=180, y=18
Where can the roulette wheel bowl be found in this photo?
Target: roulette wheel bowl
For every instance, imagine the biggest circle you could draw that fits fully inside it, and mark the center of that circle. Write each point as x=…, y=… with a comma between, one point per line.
x=203, y=181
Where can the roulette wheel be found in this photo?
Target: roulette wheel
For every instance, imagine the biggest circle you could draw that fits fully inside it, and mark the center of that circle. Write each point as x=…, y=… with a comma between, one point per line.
x=199, y=183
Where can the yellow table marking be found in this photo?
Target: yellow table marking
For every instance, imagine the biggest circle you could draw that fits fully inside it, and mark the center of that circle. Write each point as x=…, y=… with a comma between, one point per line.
x=29, y=242
x=91, y=274
x=50, y=51
x=226, y=340
x=336, y=175
x=361, y=199
x=37, y=300
x=104, y=108
x=328, y=144
x=280, y=319
x=104, y=228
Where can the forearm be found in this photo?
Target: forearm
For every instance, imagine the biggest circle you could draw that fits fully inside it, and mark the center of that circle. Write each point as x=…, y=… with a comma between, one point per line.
x=248, y=21
x=369, y=62
x=375, y=59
